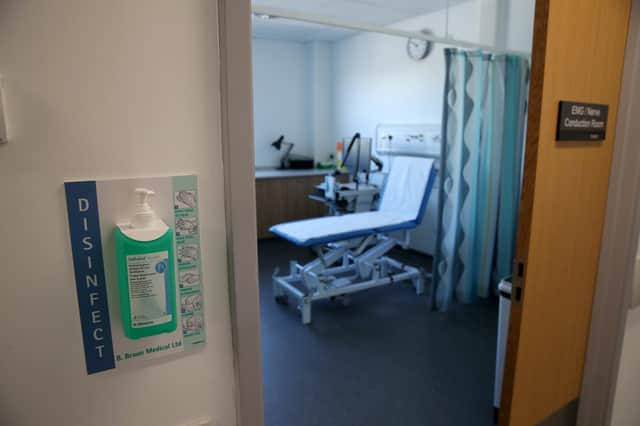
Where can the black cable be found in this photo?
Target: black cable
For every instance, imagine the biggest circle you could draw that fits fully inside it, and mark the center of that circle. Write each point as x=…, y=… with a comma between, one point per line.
x=378, y=162
x=353, y=140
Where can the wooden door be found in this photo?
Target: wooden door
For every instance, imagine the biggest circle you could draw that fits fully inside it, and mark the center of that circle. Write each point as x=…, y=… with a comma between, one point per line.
x=578, y=55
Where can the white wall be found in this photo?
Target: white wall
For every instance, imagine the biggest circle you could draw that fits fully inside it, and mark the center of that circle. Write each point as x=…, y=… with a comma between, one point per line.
x=280, y=99
x=320, y=99
x=99, y=89
x=626, y=410
x=376, y=82
x=519, y=24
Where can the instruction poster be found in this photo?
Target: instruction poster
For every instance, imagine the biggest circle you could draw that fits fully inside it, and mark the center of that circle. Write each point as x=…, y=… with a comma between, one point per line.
x=95, y=209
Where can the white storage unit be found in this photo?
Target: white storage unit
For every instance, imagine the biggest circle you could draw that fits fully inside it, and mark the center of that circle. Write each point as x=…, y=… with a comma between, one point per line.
x=414, y=139
x=501, y=347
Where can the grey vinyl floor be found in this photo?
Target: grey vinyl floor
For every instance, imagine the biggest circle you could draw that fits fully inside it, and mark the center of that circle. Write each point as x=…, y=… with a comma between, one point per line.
x=385, y=359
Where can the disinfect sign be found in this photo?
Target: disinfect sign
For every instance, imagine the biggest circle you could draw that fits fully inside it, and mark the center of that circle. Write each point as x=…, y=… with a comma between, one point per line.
x=95, y=209
x=582, y=122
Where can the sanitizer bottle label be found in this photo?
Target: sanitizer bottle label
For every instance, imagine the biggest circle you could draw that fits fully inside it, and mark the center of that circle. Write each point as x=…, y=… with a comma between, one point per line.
x=149, y=282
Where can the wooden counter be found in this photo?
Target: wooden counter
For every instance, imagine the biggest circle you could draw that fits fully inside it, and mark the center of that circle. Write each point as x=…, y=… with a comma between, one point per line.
x=284, y=199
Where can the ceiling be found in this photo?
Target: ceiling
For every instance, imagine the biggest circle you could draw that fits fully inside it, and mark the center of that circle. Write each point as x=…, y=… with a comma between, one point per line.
x=375, y=12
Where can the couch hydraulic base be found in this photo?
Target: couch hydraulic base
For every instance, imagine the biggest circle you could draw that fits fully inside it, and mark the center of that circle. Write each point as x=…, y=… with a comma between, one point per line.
x=317, y=280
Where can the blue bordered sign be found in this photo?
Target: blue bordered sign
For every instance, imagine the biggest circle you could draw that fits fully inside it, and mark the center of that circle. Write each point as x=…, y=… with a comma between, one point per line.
x=88, y=264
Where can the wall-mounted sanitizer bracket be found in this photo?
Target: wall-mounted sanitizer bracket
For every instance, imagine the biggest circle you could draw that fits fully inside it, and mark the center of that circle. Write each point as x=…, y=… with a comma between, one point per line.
x=4, y=137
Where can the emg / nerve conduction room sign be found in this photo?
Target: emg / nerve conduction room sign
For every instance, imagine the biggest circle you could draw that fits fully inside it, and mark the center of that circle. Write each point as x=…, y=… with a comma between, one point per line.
x=579, y=121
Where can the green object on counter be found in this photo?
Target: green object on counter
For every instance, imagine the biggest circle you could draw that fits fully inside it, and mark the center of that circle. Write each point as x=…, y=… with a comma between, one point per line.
x=326, y=165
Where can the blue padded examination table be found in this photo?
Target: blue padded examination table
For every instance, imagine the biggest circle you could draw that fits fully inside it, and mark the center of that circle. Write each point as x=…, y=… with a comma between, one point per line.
x=352, y=248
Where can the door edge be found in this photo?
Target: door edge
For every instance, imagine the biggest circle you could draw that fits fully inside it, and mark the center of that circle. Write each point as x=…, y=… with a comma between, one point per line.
x=236, y=124
x=620, y=237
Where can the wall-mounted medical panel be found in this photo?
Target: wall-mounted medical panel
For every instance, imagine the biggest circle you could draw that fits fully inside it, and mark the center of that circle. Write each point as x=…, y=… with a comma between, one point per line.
x=420, y=139
x=408, y=139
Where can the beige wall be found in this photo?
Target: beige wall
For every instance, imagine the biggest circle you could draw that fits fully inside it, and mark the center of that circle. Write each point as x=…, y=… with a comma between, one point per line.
x=98, y=89
x=626, y=410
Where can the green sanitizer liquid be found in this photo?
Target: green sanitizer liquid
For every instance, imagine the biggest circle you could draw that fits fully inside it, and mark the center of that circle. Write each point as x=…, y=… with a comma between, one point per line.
x=146, y=278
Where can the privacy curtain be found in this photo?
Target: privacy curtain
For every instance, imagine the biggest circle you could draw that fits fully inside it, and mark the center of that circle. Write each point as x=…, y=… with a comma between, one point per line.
x=480, y=173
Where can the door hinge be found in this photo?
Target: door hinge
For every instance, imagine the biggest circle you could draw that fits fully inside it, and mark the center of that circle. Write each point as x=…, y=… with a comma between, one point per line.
x=520, y=269
x=518, y=281
x=517, y=294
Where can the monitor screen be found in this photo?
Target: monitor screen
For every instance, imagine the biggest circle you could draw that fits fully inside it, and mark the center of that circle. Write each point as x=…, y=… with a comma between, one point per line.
x=361, y=150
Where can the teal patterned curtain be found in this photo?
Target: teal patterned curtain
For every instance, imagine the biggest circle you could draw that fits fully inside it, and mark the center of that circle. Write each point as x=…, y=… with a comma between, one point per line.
x=481, y=173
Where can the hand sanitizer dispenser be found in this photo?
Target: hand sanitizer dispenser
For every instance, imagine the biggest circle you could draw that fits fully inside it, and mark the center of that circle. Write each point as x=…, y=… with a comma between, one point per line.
x=146, y=279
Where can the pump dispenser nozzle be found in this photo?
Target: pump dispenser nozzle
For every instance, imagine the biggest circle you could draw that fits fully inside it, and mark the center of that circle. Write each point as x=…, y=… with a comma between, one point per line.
x=144, y=216
x=144, y=254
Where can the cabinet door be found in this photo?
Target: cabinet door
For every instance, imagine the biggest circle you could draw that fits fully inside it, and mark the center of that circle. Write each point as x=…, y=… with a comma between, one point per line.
x=284, y=200
x=270, y=199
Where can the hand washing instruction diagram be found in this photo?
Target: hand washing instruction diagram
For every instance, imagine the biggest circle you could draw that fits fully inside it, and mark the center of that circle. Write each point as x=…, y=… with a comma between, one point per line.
x=185, y=200
x=186, y=226
x=185, y=203
x=189, y=278
x=191, y=303
x=187, y=253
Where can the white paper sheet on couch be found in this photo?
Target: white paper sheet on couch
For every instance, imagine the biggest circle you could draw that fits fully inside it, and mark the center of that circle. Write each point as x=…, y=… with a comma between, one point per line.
x=402, y=204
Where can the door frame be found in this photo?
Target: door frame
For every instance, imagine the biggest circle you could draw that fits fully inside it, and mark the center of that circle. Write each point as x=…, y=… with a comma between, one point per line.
x=614, y=285
x=236, y=124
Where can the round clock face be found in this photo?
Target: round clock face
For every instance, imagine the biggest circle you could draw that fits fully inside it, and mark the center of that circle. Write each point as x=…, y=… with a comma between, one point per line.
x=418, y=49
